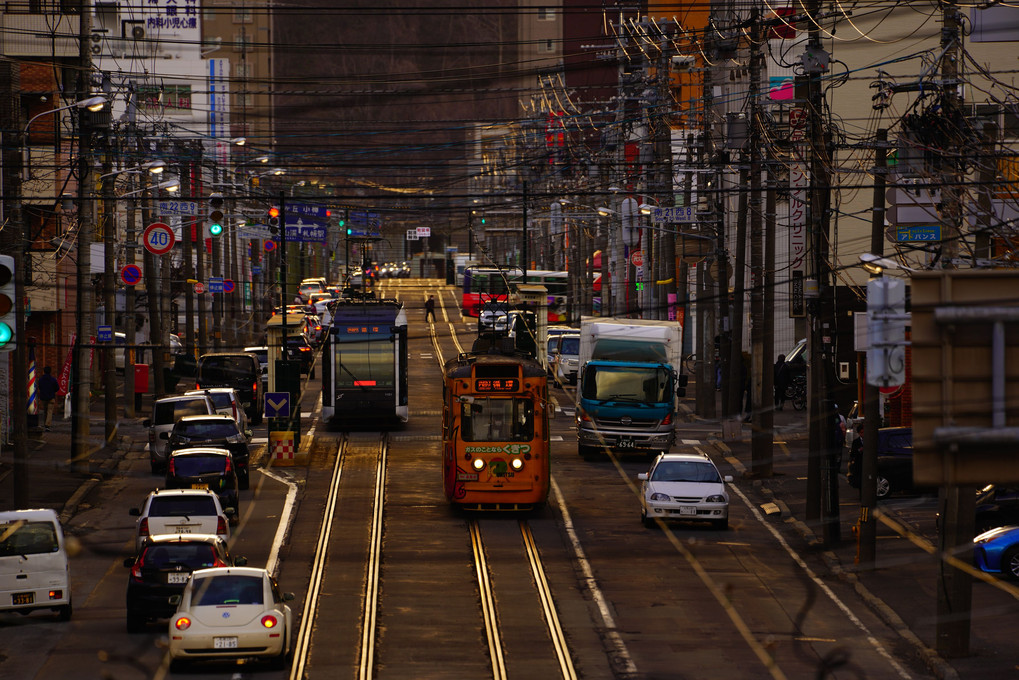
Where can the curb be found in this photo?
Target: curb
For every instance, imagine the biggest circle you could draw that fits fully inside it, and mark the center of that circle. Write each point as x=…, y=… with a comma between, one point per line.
x=931, y=659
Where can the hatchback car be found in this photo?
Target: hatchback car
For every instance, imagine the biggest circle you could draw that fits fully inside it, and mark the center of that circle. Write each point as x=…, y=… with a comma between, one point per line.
x=227, y=402
x=165, y=414
x=205, y=468
x=684, y=486
x=162, y=569
x=217, y=431
x=298, y=349
x=180, y=511
x=567, y=357
x=231, y=613
x=238, y=370
x=997, y=551
x=34, y=570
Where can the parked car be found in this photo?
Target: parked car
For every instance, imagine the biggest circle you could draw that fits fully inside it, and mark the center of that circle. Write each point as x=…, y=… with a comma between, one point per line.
x=34, y=571
x=206, y=468
x=228, y=402
x=553, y=333
x=216, y=431
x=161, y=569
x=684, y=486
x=165, y=414
x=894, y=461
x=260, y=622
x=239, y=370
x=180, y=511
x=997, y=551
x=997, y=506
x=262, y=352
x=298, y=349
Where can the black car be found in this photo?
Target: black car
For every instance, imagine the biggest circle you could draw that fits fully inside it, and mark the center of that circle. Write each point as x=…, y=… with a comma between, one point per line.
x=894, y=461
x=215, y=431
x=239, y=370
x=205, y=468
x=161, y=569
x=298, y=349
x=997, y=506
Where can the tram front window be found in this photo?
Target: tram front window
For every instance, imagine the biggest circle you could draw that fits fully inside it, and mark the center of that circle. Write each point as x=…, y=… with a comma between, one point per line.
x=365, y=364
x=497, y=420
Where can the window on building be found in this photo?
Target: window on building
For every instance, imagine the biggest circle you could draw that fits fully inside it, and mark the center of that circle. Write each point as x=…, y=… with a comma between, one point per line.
x=546, y=14
x=546, y=46
x=242, y=42
x=243, y=15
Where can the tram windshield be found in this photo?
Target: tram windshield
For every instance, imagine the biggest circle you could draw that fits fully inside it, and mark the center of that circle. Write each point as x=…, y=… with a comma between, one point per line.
x=497, y=420
x=365, y=364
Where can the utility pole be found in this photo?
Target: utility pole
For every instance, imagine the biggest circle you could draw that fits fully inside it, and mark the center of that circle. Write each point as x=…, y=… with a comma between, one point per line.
x=154, y=293
x=664, y=264
x=190, y=228
x=109, y=227
x=717, y=289
x=217, y=270
x=130, y=244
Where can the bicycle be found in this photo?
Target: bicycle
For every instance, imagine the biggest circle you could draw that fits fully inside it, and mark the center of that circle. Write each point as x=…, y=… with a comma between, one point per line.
x=796, y=392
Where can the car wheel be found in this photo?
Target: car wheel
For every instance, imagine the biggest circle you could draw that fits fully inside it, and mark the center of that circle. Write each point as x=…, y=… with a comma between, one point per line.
x=586, y=452
x=178, y=665
x=279, y=662
x=1010, y=563
x=884, y=487
x=157, y=469
x=65, y=612
x=135, y=623
x=720, y=524
x=649, y=522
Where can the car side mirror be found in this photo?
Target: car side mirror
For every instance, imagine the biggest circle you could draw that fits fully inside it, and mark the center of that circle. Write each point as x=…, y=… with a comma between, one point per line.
x=134, y=512
x=147, y=422
x=174, y=600
x=288, y=597
x=249, y=433
x=229, y=512
x=129, y=562
x=642, y=476
x=240, y=561
x=727, y=479
x=164, y=435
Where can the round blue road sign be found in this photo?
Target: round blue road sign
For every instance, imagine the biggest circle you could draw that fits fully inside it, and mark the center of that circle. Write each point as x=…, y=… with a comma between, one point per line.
x=131, y=274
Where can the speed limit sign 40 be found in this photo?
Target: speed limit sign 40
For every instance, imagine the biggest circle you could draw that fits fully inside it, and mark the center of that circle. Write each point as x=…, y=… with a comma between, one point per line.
x=158, y=238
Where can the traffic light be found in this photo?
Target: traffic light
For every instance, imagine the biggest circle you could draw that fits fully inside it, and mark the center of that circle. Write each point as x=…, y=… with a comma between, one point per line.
x=274, y=222
x=342, y=215
x=215, y=214
x=8, y=308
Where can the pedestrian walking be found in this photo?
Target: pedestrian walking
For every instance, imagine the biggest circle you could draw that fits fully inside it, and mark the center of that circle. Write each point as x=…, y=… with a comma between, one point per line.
x=48, y=387
x=781, y=381
x=430, y=309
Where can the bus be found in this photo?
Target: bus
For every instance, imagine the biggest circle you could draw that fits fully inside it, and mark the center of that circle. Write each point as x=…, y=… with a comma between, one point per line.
x=483, y=284
x=495, y=432
x=364, y=365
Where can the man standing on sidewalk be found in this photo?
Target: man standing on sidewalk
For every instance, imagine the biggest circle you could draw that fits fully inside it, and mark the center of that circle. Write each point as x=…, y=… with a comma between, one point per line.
x=48, y=388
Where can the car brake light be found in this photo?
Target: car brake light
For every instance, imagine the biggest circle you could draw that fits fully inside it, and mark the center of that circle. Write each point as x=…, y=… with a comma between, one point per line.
x=667, y=420
x=182, y=623
x=269, y=621
x=143, y=527
x=229, y=465
x=170, y=468
x=221, y=526
x=198, y=386
x=136, y=570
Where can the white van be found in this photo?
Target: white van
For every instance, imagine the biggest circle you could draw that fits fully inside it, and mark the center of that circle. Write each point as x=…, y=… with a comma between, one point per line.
x=34, y=573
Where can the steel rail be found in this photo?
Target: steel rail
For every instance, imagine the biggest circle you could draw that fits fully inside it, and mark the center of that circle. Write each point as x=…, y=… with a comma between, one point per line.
x=555, y=629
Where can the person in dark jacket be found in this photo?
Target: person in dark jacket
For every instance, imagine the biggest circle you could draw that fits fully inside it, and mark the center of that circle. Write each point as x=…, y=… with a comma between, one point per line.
x=430, y=309
x=781, y=381
x=48, y=387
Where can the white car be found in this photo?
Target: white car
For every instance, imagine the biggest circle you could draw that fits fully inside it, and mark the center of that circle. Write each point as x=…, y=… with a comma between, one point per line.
x=181, y=511
x=231, y=612
x=684, y=486
x=567, y=357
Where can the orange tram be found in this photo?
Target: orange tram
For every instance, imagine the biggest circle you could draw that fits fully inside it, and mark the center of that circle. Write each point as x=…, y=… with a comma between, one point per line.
x=495, y=453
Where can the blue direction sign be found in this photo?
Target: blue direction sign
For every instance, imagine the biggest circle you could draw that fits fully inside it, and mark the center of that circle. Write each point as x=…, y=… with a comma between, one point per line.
x=105, y=333
x=307, y=233
x=215, y=284
x=277, y=404
x=307, y=209
x=925, y=232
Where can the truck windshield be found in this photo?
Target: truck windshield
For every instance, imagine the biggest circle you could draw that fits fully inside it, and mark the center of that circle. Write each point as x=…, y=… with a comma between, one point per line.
x=626, y=383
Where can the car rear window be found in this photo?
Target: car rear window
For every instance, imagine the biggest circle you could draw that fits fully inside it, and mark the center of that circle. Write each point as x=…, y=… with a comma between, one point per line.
x=171, y=411
x=232, y=589
x=204, y=430
x=225, y=368
x=190, y=555
x=177, y=506
x=193, y=465
x=27, y=538
x=221, y=399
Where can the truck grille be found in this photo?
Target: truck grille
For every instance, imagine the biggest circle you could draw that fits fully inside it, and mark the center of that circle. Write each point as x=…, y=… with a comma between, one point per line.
x=637, y=423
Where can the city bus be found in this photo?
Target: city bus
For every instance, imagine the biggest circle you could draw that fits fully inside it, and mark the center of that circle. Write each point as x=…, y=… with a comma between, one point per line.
x=495, y=432
x=364, y=365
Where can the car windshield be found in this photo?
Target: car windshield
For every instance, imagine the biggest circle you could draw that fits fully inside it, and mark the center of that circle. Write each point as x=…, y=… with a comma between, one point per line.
x=207, y=430
x=190, y=555
x=180, y=506
x=228, y=589
x=27, y=538
x=193, y=465
x=685, y=471
x=172, y=411
x=569, y=345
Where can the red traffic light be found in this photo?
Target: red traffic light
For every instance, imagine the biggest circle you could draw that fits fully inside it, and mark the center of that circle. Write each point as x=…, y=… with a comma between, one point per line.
x=274, y=212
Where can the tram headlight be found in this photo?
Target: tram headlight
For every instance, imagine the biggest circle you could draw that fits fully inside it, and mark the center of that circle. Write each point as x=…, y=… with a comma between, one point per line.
x=517, y=464
x=478, y=464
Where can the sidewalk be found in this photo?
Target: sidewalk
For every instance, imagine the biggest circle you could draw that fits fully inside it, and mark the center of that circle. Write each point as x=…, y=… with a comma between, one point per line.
x=902, y=589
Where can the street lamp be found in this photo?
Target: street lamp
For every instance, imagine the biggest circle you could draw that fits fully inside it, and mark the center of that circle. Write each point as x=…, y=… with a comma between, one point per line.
x=172, y=185
x=875, y=264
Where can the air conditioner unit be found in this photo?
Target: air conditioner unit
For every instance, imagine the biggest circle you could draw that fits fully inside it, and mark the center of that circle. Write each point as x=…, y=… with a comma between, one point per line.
x=137, y=32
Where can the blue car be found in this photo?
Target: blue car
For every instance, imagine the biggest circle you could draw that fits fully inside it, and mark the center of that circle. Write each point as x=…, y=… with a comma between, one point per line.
x=997, y=551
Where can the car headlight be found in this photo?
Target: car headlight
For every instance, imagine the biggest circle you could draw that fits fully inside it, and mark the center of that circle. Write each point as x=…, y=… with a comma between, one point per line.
x=717, y=498
x=478, y=464
x=660, y=497
x=517, y=464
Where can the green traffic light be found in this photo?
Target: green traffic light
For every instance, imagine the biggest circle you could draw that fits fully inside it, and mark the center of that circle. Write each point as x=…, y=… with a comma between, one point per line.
x=215, y=229
x=6, y=334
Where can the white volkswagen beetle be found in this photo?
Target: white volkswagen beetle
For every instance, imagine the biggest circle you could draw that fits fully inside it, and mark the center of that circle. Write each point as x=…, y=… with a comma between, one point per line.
x=230, y=612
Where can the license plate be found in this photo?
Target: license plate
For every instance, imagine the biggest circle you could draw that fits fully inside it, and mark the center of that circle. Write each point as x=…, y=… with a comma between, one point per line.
x=224, y=642
x=199, y=486
x=626, y=444
x=687, y=510
x=177, y=578
x=23, y=598
x=182, y=529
